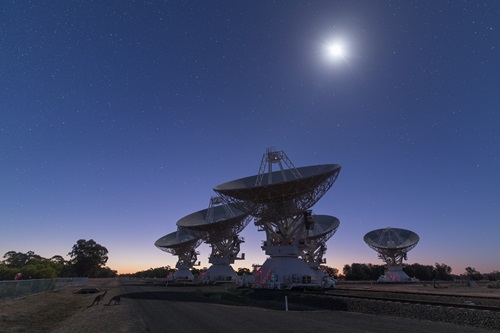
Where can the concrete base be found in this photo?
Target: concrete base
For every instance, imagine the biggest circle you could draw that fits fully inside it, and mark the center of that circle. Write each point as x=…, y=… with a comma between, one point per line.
x=395, y=274
x=220, y=273
x=286, y=272
x=182, y=275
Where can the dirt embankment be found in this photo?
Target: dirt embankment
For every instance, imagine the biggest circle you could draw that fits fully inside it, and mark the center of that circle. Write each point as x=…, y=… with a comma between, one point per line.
x=64, y=311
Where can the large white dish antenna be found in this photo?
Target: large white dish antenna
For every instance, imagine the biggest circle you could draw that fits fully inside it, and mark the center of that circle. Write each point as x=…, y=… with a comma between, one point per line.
x=281, y=193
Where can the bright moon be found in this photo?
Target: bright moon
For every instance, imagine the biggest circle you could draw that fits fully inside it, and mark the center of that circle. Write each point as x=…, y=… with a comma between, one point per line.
x=336, y=51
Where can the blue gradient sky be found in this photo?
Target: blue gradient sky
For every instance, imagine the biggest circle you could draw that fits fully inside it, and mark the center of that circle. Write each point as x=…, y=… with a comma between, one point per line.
x=117, y=118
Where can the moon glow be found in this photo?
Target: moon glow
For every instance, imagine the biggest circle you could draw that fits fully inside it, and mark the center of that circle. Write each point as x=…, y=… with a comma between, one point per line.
x=335, y=51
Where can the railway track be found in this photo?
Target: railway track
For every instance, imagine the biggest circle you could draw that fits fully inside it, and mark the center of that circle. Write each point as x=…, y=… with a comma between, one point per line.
x=441, y=300
x=464, y=310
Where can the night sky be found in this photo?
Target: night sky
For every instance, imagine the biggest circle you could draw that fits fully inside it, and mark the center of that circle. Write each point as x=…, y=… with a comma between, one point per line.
x=117, y=118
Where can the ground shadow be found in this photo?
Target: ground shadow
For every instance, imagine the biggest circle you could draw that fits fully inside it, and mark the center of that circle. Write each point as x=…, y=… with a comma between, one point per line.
x=268, y=299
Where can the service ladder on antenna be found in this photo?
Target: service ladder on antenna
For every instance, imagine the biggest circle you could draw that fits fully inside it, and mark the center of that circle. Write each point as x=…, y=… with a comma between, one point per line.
x=217, y=201
x=270, y=157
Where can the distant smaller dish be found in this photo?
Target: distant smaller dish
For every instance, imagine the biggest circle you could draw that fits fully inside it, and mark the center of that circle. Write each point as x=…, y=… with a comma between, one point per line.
x=391, y=239
x=393, y=245
x=224, y=217
x=176, y=239
x=324, y=225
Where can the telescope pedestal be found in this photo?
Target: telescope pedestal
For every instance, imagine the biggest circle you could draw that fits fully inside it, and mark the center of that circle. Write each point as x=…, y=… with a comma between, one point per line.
x=183, y=275
x=395, y=274
x=220, y=273
x=285, y=271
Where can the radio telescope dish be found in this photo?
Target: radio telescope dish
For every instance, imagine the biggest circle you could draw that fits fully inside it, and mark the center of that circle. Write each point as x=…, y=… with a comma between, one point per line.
x=324, y=227
x=392, y=246
x=279, y=201
x=215, y=220
x=280, y=194
x=314, y=247
x=219, y=226
x=183, y=245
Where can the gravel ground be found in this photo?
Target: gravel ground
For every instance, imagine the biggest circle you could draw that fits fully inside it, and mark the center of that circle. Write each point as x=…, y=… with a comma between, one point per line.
x=463, y=317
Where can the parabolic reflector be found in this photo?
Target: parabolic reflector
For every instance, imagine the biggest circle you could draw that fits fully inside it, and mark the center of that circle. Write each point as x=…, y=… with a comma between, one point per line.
x=224, y=217
x=391, y=239
x=177, y=239
x=324, y=225
x=284, y=195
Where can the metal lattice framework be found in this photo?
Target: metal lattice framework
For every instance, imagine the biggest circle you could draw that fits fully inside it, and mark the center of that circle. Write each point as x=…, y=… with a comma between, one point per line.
x=181, y=244
x=314, y=248
x=275, y=157
x=285, y=196
x=392, y=244
x=280, y=201
x=281, y=232
x=218, y=226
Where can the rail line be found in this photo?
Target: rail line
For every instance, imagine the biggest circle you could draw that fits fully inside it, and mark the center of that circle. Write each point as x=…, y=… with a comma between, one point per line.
x=443, y=300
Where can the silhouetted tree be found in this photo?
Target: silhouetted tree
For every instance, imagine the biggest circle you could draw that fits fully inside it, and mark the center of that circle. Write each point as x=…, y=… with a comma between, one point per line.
x=198, y=271
x=356, y=272
x=421, y=272
x=87, y=257
x=15, y=259
x=473, y=274
x=442, y=272
x=331, y=271
x=30, y=265
x=346, y=270
x=158, y=272
x=7, y=273
x=360, y=272
x=493, y=276
x=243, y=270
x=375, y=271
x=57, y=259
x=105, y=272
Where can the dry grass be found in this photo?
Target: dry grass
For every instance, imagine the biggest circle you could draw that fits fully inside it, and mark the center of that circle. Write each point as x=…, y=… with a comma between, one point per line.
x=63, y=311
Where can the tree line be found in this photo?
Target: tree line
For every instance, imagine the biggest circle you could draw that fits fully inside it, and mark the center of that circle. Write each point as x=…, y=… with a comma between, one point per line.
x=164, y=271
x=87, y=259
x=441, y=272
x=354, y=272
